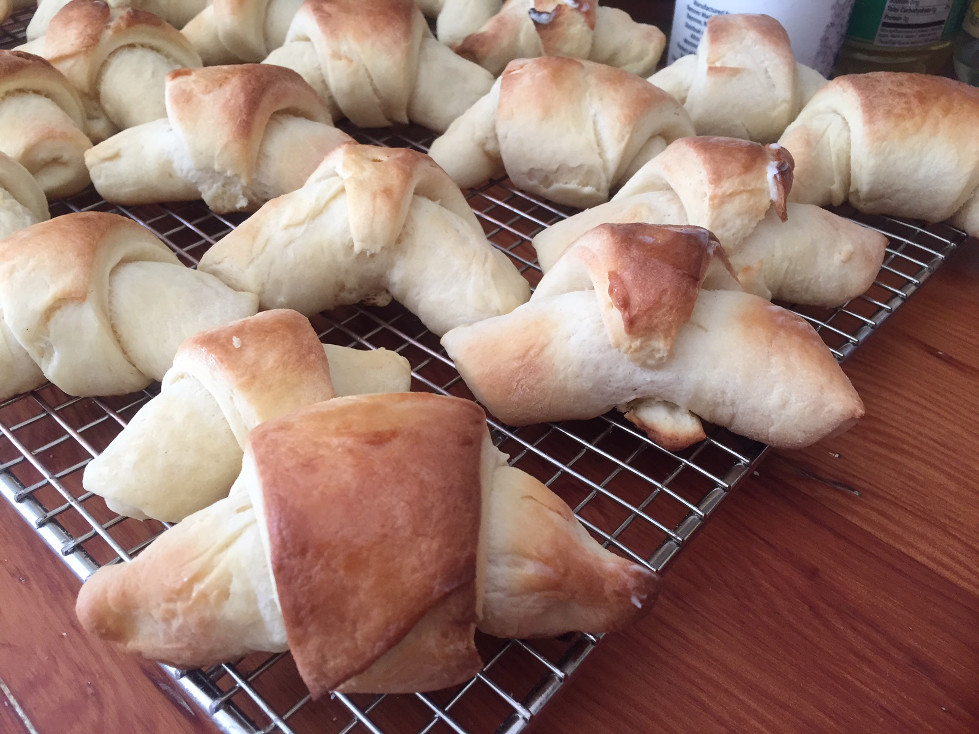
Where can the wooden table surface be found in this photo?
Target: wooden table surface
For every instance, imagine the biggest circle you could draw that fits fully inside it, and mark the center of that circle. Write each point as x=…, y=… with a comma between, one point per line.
x=836, y=590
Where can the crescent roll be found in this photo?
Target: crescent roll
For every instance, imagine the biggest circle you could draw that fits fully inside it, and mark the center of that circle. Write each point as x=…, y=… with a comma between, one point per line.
x=890, y=143
x=377, y=64
x=744, y=81
x=182, y=451
x=371, y=535
x=41, y=123
x=567, y=129
x=371, y=224
x=234, y=136
x=622, y=320
x=117, y=59
x=98, y=305
x=738, y=189
x=524, y=29
x=239, y=31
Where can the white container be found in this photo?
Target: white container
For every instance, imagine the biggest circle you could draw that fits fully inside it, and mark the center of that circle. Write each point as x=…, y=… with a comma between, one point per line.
x=815, y=27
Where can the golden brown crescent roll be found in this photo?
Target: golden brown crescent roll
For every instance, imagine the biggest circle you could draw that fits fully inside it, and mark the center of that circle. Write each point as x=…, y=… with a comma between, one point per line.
x=744, y=81
x=182, y=450
x=22, y=200
x=376, y=63
x=235, y=136
x=98, y=305
x=524, y=29
x=737, y=189
x=371, y=535
x=117, y=59
x=371, y=224
x=621, y=319
x=567, y=129
x=891, y=143
x=174, y=12
x=52, y=144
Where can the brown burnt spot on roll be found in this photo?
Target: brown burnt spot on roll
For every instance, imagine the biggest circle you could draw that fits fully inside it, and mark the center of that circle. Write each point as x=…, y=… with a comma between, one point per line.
x=618, y=291
x=546, y=12
x=541, y=17
x=564, y=27
x=781, y=165
x=654, y=274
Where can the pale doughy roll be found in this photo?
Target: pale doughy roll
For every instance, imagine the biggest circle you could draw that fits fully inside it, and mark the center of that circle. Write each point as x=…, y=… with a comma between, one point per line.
x=41, y=123
x=235, y=136
x=738, y=189
x=182, y=451
x=117, y=59
x=98, y=305
x=377, y=64
x=174, y=12
x=240, y=31
x=369, y=225
x=744, y=81
x=566, y=129
x=456, y=19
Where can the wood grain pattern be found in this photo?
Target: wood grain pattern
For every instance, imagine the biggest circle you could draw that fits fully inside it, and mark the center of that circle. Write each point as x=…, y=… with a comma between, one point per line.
x=64, y=680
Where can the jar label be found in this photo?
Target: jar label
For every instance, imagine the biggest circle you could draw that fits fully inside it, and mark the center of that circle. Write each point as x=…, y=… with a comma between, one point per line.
x=904, y=23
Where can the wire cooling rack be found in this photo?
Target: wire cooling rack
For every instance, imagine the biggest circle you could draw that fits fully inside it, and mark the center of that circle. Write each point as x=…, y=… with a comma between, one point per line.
x=640, y=500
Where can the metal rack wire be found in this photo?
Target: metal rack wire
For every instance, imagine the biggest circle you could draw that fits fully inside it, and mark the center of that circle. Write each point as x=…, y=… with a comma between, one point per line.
x=640, y=500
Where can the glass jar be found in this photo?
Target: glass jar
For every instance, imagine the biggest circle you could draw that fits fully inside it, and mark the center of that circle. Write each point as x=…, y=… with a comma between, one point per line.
x=899, y=35
x=965, y=47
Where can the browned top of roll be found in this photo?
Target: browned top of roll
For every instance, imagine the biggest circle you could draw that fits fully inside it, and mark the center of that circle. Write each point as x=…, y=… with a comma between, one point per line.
x=22, y=71
x=373, y=509
x=222, y=111
x=63, y=258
